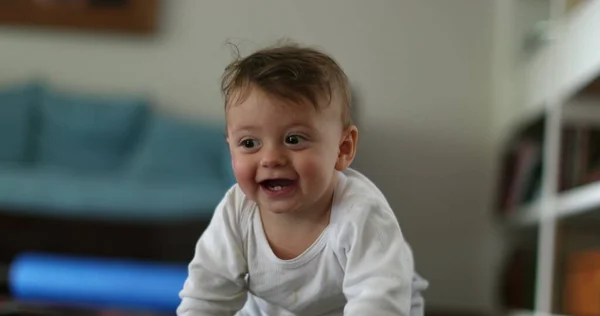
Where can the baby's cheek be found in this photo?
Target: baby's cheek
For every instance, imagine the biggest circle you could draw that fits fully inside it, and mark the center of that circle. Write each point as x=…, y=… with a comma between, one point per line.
x=315, y=169
x=241, y=168
x=245, y=172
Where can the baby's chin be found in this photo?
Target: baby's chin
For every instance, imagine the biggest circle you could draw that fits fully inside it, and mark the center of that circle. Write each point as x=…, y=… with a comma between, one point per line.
x=279, y=207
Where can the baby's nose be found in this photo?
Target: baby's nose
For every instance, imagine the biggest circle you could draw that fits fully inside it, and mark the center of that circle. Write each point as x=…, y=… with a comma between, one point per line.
x=273, y=157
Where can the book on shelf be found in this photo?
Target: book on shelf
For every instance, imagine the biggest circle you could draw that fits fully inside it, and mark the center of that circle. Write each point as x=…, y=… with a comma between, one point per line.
x=521, y=175
x=579, y=157
x=522, y=169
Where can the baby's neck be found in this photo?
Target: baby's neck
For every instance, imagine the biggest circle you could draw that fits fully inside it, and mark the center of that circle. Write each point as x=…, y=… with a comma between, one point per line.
x=289, y=235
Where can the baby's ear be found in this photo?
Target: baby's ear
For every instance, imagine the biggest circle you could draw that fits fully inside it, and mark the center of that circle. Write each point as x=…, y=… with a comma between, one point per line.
x=347, y=148
x=229, y=153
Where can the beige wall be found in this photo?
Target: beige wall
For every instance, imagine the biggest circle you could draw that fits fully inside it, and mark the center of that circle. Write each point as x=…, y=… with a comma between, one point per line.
x=421, y=69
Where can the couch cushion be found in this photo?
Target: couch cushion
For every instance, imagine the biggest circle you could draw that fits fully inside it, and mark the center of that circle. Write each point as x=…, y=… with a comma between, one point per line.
x=52, y=192
x=17, y=106
x=177, y=150
x=89, y=133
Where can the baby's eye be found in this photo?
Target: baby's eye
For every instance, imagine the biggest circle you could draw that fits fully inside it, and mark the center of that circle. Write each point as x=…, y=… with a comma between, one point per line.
x=294, y=139
x=249, y=143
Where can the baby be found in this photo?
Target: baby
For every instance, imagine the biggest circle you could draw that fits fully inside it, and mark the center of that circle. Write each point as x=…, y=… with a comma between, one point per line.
x=300, y=233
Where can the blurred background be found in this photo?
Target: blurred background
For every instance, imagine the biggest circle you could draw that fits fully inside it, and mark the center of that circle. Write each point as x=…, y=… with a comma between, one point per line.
x=476, y=120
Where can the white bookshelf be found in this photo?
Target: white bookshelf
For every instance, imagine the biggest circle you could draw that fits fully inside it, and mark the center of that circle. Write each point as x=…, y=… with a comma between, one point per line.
x=547, y=83
x=570, y=203
x=526, y=215
x=579, y=200
x=579, y=45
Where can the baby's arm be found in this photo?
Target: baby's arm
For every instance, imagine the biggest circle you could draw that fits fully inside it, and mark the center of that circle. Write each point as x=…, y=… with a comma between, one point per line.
x=215, y=285
x=379, y=264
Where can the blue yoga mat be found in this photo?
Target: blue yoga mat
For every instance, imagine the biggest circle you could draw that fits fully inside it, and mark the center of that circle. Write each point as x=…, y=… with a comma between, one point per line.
x=97, y=282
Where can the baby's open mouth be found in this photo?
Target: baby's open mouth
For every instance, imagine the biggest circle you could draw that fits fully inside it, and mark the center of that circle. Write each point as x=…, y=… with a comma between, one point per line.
x=277, y=184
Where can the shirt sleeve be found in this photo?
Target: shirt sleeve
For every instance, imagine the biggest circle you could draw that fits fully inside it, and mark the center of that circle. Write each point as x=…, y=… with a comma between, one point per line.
x=216, y=284
x=378, y=263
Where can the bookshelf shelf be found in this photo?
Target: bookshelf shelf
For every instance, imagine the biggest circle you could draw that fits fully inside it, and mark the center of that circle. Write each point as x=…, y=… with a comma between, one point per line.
x=579, y=200
x=579, y=45
x=569, y=203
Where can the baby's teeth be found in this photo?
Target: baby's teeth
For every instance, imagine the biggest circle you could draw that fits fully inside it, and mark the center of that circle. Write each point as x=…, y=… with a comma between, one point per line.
x=276, y=188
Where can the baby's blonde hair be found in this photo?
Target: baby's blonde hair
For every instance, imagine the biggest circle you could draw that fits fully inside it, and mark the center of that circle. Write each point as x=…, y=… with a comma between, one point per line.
x=291, y=72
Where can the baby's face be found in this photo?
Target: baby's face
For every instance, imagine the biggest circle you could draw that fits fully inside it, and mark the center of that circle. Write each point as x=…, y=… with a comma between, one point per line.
x=284, y=155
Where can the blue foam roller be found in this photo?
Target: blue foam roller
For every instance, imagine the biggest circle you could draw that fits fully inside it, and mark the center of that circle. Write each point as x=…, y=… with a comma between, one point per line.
x=96, y=282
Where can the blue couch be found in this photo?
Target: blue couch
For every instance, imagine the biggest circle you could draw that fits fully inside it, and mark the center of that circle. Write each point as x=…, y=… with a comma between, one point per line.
x=111, y=158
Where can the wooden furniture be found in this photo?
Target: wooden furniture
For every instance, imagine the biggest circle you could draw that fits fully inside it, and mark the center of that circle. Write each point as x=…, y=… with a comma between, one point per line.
x=131, y=16
x=163, y=242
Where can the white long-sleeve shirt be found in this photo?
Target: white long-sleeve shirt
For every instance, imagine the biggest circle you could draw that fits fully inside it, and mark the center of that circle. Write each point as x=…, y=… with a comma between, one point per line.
x=359, y=265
